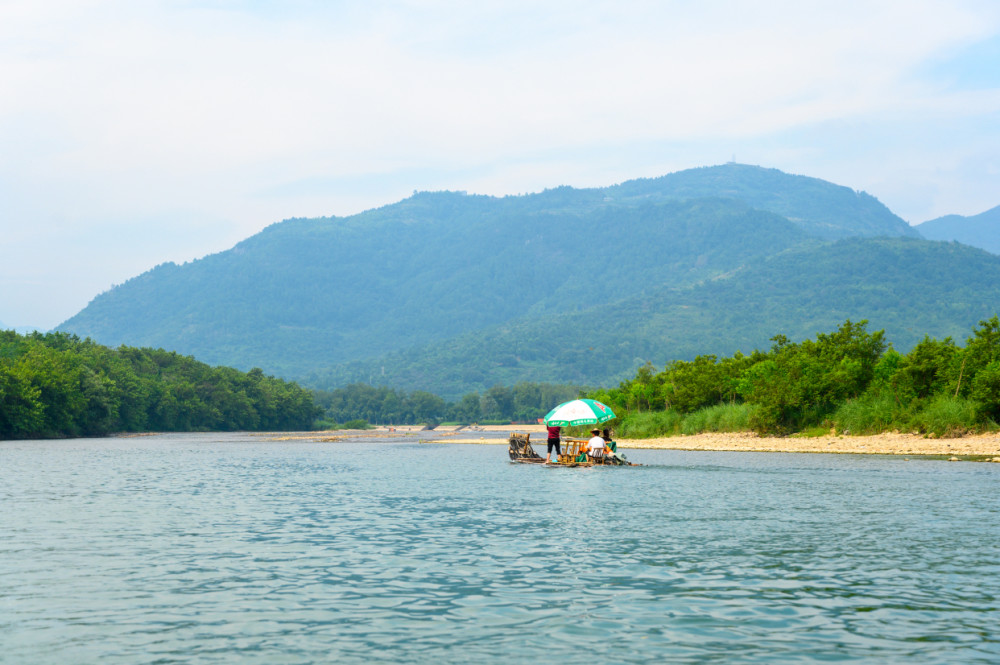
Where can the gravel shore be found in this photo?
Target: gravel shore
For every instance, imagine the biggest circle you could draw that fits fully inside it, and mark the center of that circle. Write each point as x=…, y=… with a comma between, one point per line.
x=880, y=444
x=978, y=445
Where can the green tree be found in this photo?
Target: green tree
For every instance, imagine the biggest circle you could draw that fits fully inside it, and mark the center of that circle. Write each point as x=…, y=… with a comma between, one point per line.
x=799, y=383
x=986, y=392
x=928, y=368
x=21, y=411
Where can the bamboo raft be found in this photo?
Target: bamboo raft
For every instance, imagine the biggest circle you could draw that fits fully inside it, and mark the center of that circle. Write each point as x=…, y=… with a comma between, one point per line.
x=574, y=453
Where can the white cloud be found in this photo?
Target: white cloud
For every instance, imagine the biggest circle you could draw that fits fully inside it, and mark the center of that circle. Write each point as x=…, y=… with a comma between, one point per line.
x=242, y=113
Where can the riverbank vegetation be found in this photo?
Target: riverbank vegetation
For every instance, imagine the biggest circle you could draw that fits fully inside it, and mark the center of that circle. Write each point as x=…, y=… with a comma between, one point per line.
x=57, y=385
x=524, y=402
x=850, y=381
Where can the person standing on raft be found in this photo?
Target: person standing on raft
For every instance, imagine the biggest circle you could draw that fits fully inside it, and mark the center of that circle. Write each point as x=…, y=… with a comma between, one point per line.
x=554, y=441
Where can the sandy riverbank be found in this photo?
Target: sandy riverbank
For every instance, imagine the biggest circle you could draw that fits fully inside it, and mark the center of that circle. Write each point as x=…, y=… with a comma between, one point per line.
x=880, y=444
x=979, y=445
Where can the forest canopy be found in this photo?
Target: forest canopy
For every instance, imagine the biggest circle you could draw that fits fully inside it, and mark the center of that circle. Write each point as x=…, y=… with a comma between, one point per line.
x=57, y=385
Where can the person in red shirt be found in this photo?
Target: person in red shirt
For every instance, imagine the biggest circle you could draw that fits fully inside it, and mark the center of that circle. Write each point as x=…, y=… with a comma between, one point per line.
x=553, y=443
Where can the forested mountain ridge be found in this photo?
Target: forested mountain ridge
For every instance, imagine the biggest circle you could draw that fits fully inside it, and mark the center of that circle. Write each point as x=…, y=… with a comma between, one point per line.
x=436, y=268
x=820, y=208
x=982, y=230
x=908, y=287
x=308, y=292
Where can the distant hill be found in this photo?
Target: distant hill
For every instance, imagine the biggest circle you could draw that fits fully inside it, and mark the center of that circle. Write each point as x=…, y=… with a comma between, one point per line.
x=982, y=230
x=439, y=268
x=909, y=287
x=820, y=208
x=308, y=293
x=22, y=330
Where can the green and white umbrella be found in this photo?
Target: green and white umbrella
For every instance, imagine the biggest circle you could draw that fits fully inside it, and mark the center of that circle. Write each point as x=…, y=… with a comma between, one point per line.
x=579, y=412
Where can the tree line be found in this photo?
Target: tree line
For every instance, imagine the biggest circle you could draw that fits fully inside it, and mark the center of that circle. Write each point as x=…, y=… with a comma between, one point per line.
x=57, y=385
x=523, y=402
x=850, y=380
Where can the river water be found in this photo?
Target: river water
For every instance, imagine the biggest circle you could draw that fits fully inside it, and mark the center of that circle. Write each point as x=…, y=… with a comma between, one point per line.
x=229, y=548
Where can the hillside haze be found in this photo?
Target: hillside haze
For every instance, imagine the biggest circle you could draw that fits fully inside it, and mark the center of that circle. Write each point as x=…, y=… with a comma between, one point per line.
x=333, y=298
x=982, y=230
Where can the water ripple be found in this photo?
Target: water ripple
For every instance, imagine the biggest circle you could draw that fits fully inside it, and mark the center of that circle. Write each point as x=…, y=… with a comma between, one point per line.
x=223, y=548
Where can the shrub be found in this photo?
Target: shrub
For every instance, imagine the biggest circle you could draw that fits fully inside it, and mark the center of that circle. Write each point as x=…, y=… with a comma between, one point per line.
x=325, y=423
x=946, y=415
x=986, y=392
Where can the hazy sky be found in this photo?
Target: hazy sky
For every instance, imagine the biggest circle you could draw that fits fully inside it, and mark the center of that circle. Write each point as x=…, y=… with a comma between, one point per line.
x=136, y=132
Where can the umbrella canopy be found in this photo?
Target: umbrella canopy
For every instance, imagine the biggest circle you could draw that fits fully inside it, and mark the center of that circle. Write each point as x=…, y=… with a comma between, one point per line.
x=579, y=412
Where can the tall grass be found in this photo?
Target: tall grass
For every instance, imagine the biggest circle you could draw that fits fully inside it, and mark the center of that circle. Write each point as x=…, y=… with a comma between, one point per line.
x=872, y=414
x=945, y=415
x=718, y=418
x=649, y=424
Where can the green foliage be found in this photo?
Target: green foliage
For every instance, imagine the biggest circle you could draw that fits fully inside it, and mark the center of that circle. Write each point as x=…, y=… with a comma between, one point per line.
x=983, y=348
x=798, y=383
x=813, y=432
x=21, y=409
x=947, y=416
x=910, y=287
x=847, y=379
x=732, y=417
x=57, y=385
x=928, y=369
x=872, y=413
x=671, y=422
x=650, y=424
x=705, y=381
x=986, y=392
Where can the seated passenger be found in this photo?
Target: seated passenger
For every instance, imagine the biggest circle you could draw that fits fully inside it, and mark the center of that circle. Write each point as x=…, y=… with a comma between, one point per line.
x=612, y=445
x=595, y=447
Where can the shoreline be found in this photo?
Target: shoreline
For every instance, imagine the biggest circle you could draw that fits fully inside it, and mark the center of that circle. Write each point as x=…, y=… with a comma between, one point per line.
x=875, y=444
x=977, y=445
x=981, y=446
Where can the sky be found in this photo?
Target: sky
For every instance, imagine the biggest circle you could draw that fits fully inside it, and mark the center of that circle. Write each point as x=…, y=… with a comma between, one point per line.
x=137, y=132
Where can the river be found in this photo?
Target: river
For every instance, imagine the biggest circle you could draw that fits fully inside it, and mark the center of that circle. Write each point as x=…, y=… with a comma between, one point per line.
x=230, y=548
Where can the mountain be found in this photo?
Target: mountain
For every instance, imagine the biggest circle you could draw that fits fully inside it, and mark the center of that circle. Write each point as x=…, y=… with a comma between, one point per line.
x=435, y=269
x=820, y=208
x=318, y=292
x=22, y=330
x=909, y=287
x=982, y=230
